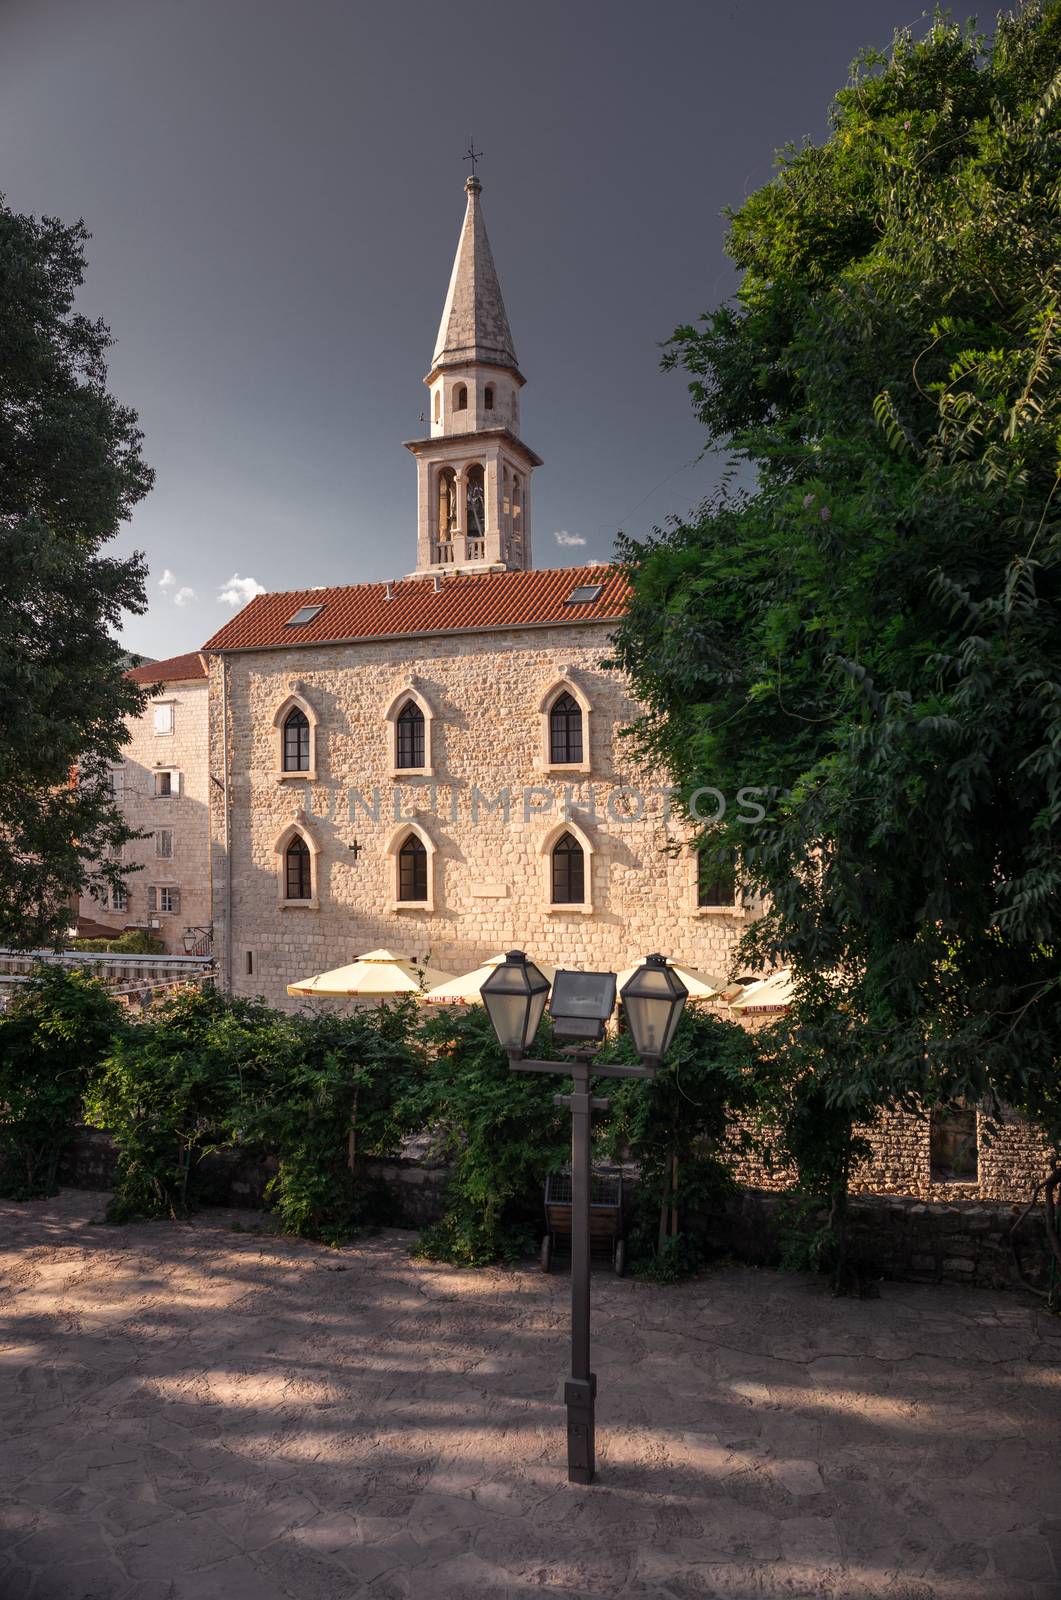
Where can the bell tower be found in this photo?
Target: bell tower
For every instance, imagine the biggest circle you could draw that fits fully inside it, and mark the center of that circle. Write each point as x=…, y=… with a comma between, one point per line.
x=473, y=469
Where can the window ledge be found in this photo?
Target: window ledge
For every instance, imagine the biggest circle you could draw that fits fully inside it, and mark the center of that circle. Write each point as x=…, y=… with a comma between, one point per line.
x=569, y=769
x=286, y=777
x=412, y=772
x=300, y=905
x=575, y=909
x=412, y=905
x=718, y=911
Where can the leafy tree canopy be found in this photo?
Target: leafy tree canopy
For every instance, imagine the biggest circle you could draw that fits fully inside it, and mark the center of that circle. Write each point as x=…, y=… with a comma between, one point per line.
x=70, y=472
x=872, y=633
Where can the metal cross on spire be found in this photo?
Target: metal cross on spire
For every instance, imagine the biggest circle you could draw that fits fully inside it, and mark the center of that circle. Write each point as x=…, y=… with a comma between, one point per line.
x=473, y=155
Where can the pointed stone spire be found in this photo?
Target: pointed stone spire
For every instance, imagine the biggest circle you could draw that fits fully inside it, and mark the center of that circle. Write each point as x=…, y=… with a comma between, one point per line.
x=473, y=470
x=474, y=326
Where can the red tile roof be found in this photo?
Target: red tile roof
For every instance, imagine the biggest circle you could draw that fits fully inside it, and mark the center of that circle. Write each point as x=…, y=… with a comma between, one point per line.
x=175, y=670
x=464, y=603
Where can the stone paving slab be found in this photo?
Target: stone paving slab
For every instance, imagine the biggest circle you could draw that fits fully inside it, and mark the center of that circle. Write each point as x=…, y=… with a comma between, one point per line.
x=189, y=1412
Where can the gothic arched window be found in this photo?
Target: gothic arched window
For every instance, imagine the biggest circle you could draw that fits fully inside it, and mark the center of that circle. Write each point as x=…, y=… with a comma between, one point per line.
x=409, y=727
x=296, y=741
x=568, y=872
x=565, y=730
x=412, y=870
x=462, y=397
x=298, y=871
x=488, y=397
x=447, y=501
x=517, y=511
x=475, y=524
x=438, y=404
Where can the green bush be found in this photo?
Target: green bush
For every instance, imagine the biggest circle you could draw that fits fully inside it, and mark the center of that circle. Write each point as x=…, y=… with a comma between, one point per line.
x=207, y=1073
x=674, y=1126
x=170, y=1092
x=816, y=1096
x=339, y=1089
x=136, y=942
x=52, y=1039
x=502, y=1132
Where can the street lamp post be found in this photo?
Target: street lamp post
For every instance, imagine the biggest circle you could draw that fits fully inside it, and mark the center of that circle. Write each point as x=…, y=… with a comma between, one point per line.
x=581, y=1003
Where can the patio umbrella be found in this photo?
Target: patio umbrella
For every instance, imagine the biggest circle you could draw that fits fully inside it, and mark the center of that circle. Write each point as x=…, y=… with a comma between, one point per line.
x=465, y=991
x=768, y=993
x=701, y=985
x=378, y=975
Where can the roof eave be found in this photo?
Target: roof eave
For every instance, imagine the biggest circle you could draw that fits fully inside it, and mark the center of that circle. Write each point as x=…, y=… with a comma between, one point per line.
x=424, y=446
x=420, y=633
x=445, y=363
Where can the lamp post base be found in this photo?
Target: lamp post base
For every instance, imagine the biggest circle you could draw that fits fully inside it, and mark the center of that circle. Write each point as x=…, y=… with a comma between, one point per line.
x=580, y=1396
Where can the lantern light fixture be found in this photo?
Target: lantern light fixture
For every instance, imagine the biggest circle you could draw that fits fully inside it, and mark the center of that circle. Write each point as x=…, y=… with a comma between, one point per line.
x=514, y=996
x=653, y=1002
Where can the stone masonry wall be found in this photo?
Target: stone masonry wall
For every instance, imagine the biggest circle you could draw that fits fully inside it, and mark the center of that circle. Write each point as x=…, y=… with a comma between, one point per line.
x=489, y=873
x=1013, y=1158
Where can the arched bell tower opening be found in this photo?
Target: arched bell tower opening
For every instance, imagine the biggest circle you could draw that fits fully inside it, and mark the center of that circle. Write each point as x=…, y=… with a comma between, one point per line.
x=473, y=468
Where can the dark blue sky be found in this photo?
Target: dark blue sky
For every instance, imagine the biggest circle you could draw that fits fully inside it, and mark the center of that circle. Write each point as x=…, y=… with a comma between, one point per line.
x=275, y=193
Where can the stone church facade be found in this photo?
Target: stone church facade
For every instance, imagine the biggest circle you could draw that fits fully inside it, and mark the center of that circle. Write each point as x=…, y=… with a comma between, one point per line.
x=435, y=765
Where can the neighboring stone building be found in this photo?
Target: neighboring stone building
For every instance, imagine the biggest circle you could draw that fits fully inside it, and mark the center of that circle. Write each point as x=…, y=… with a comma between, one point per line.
x=161, y=787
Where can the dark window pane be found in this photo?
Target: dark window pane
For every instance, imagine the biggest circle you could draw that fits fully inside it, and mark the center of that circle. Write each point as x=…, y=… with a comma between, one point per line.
x=565, y=730
x=569, y=872
x=296, y=742
x=412, y=870
x=716, y=881
x=954, y=1154
x=297, y=861
x=410, y=735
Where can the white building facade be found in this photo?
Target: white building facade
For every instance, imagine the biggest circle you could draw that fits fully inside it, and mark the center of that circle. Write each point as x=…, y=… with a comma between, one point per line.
x=161, y=789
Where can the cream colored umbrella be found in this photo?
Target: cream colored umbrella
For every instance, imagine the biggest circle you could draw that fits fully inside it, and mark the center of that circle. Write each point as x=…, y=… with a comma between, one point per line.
x=378, y=975
x=701, y=985
x=767, y=994
x=465, y=991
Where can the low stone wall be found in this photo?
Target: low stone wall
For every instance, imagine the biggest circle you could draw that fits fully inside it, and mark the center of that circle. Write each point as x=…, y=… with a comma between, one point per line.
x=893, y=1237
x=906, y=1239
x=414, y=1183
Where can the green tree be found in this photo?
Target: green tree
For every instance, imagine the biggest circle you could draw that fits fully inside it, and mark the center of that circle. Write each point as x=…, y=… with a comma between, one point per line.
x=871, y=632
x=70, y=472
x=52, y=1039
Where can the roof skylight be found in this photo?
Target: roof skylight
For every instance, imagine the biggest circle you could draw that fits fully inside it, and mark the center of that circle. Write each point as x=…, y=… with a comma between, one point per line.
x=584, y=594
x=303, y=615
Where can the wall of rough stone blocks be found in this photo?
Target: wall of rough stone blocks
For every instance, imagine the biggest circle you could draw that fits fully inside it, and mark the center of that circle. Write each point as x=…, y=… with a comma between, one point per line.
x=185, y=814
x=1013, y=1158
x=489, y=873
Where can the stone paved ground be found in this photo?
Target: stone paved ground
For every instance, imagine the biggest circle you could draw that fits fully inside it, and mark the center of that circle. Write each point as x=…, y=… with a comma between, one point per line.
x=194, y=1413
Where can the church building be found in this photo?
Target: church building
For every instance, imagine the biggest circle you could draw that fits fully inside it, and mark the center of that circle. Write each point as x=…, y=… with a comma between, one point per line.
x=434, y=764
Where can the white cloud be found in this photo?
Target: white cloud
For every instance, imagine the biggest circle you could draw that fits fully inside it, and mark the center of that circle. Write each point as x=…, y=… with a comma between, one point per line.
x=563, y=537
x=238, y=591
x=167, y=580
x=182, y=597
